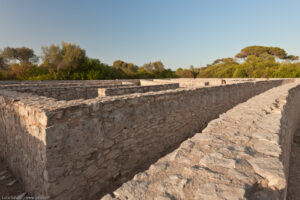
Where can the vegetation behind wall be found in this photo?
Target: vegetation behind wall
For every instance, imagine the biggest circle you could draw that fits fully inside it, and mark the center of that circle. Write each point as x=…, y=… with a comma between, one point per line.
x=69, y=61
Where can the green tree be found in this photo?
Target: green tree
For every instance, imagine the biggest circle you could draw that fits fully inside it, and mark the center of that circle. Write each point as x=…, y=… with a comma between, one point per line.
x=154, y=67
x=184, y=73
x=129, y=69
x=224, y=61
x=259, y=50
x=239, y=72
x=3, y=64
x=194, y=71
x=158, y=66
x=68, y=56
x=22, y=54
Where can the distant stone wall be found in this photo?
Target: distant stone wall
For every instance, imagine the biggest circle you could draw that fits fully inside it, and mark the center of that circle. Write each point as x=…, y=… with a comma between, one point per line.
x=148, y=82
x=72, y=82
x=138, y=89
x=244, y=154
x=101, y=142
x=200, y=82
x=64, y=92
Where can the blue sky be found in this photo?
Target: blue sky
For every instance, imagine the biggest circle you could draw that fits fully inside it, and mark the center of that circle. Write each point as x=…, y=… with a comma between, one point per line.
x=179, y=33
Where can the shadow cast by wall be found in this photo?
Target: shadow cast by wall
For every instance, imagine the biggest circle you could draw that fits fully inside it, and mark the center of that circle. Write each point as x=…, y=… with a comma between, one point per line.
x=258, y=192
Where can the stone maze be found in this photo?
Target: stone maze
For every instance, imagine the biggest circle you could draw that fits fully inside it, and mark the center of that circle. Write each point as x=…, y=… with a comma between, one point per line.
x=160, y=139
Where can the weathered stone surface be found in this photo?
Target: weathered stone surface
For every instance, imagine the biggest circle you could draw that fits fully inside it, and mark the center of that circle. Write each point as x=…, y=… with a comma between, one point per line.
x=242, y=155
x=294, y=170
x=129, y=90
x=66, y=142
x=270, y=169
x=217, y=159
x=91, y=171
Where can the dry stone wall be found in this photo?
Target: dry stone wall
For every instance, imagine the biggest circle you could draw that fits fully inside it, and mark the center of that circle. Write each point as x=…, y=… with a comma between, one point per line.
x=101, y=143
x=244, y=154
x=23, y=140
x=76, y=149
x=200, y=82
x=65, y=93
x=72, y=82
x=66, y=90
x=138, y=89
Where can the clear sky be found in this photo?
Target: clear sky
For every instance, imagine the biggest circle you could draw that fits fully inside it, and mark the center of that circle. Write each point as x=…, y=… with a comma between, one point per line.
x=179, y=33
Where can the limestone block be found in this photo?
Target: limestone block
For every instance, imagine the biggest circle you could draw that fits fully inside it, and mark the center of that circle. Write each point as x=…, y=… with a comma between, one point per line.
x=271, y=170
x=217, y=159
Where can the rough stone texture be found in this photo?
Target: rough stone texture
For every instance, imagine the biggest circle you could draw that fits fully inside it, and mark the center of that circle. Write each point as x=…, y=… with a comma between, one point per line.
x=70, y=82
x=66, y=90
x=75, y=149
x=138, y=89
x=66, y=93
x=294, y=176
x=9, y=186
x=196, y=82
x=200, y=82
x=23, y=141
x=244, y=154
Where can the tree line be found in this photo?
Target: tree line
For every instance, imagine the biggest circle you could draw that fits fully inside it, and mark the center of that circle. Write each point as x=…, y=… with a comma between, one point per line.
x=255, y=62
x=68, y=61
x=250, y=62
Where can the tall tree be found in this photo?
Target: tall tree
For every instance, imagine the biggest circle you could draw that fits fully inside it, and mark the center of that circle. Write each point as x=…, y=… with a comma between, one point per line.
x=3, y=64
x=73, y=55
x=184, y=73
x=224, y=60
x=128, y=69
x=158, y=66
x=194, y=71
x=52, y=56
x=262, y=50
x=67, y=56
x=154, y=67
x=22, y=54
